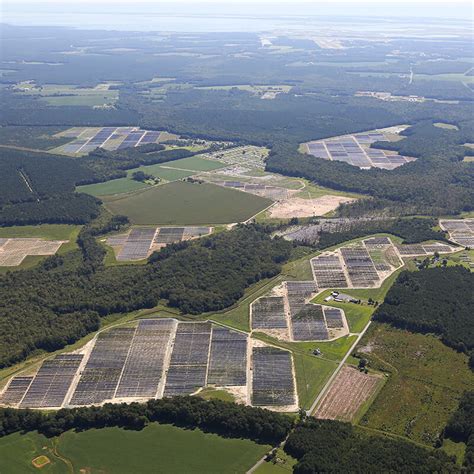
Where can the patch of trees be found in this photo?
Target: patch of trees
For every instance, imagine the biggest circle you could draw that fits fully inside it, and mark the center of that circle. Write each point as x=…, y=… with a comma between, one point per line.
x=142, y=177
x=434, y=300
x=412, y=230
x=460, y=427
x=38, y=188
x=216, y=416
x=62, y=299
x=333, y=446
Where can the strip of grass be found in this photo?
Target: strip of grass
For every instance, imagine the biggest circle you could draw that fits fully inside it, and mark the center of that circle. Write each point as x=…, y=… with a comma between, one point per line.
x=209, y=393
x=158, y=448
x=426, y=381
x=311, y=375
x=186, y=203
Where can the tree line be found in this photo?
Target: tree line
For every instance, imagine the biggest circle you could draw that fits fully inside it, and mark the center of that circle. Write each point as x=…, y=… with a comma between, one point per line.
x=460, y=427
x=63, y=298
x=216, y=416
x=332, y=447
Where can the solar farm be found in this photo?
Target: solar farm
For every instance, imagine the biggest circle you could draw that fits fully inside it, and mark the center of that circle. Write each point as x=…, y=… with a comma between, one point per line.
x=85, y=140
x=288, y=315
x=14, y=250
x=159, y=358
x=368, y=263
x=356, y=149
x=140, y=242
x=460, y=231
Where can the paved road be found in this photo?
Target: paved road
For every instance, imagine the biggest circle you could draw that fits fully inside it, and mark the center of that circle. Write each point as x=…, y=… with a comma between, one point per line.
x=339, y=367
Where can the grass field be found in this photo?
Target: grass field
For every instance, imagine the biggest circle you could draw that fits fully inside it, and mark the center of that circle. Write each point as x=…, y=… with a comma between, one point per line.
x=186, y=203
x=196, y=163
x=163, y=172
x=157, y=448
x=115, y=186
x=426, y=381
x=18, y=451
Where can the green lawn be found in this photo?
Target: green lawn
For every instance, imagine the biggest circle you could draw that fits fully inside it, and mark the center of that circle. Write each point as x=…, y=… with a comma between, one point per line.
x=115, y=186
x=196, y=163
x=158, y=448
x=17, y=451
x=163, y=172
x=426, y=381
x=185, y=203
x=311, y=375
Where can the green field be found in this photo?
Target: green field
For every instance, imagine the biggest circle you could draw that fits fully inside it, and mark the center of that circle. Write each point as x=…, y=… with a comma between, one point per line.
x=157, y=448
x=186, y=203
x=115, y=186
x=426, y=381
x=195, y=163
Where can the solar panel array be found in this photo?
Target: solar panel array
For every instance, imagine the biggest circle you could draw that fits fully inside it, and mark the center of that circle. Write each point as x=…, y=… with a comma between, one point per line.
x=51, y=384
x=138, y=243
x=355, y=150
x=308, y=324
x=334, y=318
x=272, y=377
x=328, y=272
x=460, y=231
x=298, y=292
x=144, y=367
x=377, y=242
x=189, y=359
x=105, y=137
x=102, y=372
x=360, y=267
x=16, y=390
x=168, y=235
x=411, y=249
x=228, y=358
x=268, y=312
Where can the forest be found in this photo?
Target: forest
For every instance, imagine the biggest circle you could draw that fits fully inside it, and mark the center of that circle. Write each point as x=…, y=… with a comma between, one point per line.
x=216, y=416
x=333, y=446
x=460, y=427
x=63, y=298
x=433, y=300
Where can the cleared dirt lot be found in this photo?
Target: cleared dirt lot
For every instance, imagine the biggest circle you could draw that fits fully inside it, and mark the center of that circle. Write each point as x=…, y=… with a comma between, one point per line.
x=299, y=207
x=347, y=394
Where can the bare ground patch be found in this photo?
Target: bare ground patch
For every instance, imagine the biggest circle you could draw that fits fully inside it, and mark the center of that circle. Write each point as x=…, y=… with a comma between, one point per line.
x=299, y=207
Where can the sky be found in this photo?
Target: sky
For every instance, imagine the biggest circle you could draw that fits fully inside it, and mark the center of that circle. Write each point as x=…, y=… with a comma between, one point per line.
x=269, y=14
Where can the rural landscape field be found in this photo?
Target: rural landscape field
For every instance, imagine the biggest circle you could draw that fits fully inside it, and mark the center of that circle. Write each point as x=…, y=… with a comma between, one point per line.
x=236, y=237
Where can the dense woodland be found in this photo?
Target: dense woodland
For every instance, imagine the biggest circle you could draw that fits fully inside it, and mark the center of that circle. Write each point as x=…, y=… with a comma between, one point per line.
x=38, y=188
x=64, y=297
x=224, y=418
x=460, y=427
x=434, y=300
x=332, y=446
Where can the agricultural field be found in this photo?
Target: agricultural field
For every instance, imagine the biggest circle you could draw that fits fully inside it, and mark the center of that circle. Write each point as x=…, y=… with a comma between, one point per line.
x=181, y=203
x=426, y=380
x=262, y=91
x=108, y=450
x=62, y=94
x=349, y=391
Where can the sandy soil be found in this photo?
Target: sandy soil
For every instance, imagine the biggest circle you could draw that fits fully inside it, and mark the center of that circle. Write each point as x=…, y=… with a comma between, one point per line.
x=299, y=207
